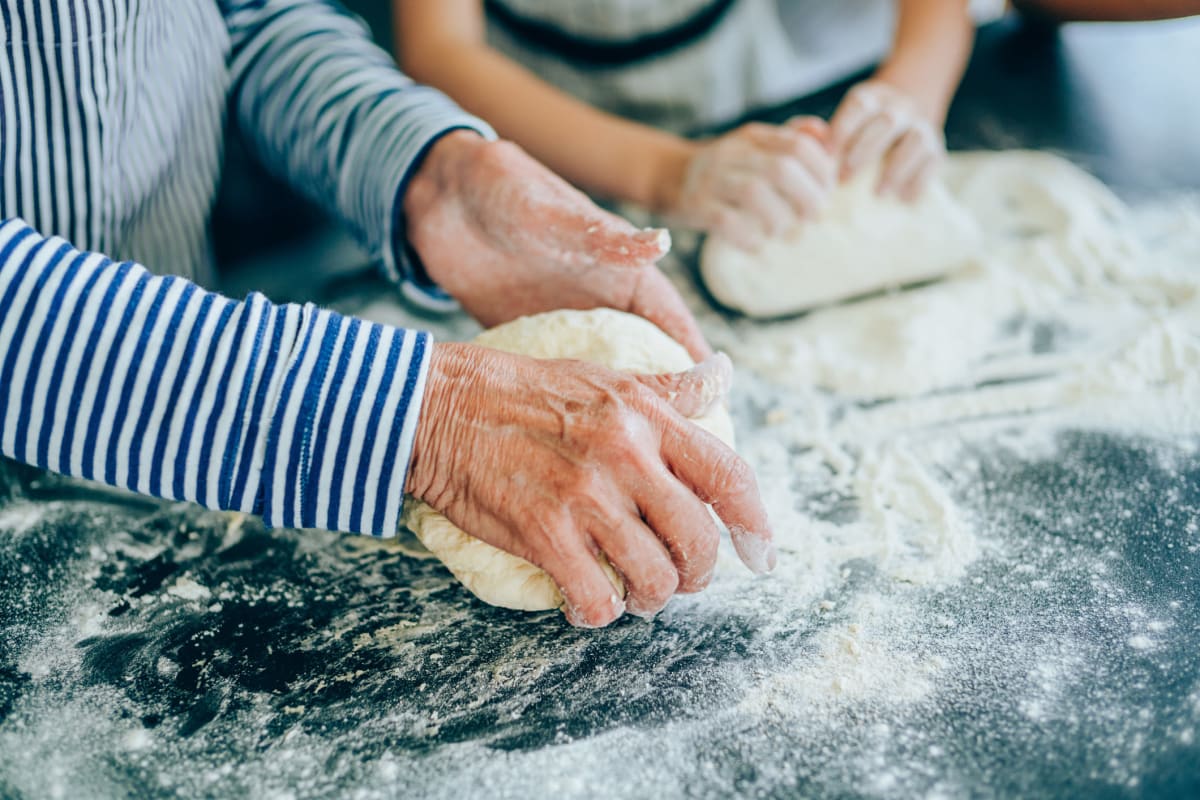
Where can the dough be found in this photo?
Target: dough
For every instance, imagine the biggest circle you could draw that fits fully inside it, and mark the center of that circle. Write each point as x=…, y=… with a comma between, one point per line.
x=861, y=244
x=617, y=340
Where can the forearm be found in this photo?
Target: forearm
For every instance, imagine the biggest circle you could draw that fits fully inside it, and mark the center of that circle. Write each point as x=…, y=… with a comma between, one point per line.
x=328, y=110
x=149, y=383
x=929, y=53
x=598, y=152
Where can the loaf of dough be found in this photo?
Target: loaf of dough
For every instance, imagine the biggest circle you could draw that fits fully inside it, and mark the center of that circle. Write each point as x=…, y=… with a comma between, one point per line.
x=611, y=338
x=861, y=244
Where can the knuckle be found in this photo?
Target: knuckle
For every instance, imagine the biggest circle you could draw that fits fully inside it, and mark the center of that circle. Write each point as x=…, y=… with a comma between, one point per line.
x=584, y=487
x=731, y=473
x=628, y=390
x=749, y=192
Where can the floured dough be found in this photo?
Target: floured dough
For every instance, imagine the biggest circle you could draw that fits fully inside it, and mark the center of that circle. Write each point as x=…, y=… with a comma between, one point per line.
x=862, y=243
x=614, y=339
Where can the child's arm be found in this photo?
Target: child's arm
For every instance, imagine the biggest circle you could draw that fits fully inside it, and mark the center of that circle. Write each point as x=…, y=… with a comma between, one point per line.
x=745, y=182
x=898, y=114
x=152, y=384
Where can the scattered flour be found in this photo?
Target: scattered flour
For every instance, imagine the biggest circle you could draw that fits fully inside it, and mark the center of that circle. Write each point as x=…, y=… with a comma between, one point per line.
x=966, y=601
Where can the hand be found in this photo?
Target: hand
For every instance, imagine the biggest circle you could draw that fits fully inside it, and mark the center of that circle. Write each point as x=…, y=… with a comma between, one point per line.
x=877, y=121
x=507, y=238
x=559, y=461
x=756, y=181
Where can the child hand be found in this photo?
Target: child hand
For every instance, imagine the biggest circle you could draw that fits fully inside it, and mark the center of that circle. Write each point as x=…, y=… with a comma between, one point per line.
x=757, y=181
x=877, y=120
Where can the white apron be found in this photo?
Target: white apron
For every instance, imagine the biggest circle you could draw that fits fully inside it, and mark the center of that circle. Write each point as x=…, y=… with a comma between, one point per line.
x=686, y=65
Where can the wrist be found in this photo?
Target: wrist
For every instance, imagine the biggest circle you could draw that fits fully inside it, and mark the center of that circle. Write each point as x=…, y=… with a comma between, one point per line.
x=438, y=175
x=668, y=174
x=431, y=422
x=928, y=99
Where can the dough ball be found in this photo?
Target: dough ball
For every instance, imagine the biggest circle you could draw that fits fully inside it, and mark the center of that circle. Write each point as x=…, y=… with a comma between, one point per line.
x=861, y=244
x=611, y=338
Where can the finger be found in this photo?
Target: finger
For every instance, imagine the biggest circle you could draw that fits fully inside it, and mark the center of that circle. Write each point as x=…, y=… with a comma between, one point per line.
x=716, y=475
x=854, y=111
x=641, y=559
x=740, y=229
x=814, y=127
x=821, y=163
x=734, y=228
x=805, y=148
x=589, y=598
x=756, y=197
x=618, y=243
x=912, y=190
x=655, y=299
x=774, y=138
x=806, y=194
x=904, y=161
x=869, y=143
x=686, y=527
x=694, y=392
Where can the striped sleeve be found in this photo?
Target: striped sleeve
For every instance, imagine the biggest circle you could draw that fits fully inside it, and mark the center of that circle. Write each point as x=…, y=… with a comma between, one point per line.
x=149, y=383
x=329, y=111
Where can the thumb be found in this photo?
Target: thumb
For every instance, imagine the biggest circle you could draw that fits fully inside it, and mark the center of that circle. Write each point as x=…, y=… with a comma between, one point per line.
x=694, y=392
x=657, y=300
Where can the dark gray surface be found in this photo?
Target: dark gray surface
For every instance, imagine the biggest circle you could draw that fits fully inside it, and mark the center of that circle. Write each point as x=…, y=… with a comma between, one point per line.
x=317, y=666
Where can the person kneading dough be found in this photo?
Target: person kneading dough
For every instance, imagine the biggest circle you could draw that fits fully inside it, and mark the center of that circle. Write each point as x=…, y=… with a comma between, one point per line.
x=611, y=339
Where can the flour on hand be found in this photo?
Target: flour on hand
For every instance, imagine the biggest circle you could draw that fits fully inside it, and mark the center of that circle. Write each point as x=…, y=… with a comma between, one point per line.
x=862, y=243
x=610, y=338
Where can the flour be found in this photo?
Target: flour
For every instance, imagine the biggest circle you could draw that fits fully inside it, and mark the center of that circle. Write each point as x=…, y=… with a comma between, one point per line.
x=984, y=493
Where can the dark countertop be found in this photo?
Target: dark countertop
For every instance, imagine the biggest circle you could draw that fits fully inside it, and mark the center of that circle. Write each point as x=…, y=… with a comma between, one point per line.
x=156, y=649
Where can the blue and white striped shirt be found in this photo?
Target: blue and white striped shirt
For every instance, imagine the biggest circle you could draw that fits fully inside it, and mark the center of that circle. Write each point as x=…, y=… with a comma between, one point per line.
x=111, y=117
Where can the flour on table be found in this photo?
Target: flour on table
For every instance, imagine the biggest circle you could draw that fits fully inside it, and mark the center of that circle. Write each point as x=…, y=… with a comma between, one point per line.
x=611, y=338
x=1065, y=284
x=861, y=244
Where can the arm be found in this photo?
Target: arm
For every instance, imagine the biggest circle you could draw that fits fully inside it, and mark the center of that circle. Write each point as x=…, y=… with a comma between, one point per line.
x=898, y=114
x=929, y=53
x=443, y=44
x=756, y=180
x=311, y=420
x=150, y=383
x=327, y=109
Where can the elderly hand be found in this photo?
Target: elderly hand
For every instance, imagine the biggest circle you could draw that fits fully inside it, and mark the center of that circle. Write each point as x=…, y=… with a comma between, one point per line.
x=756, y=181
x=507, y=238
x=878, y=121
x=559, y=461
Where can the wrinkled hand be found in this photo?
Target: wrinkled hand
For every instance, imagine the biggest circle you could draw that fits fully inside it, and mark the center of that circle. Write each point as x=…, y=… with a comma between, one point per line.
x=507, y=238
x=559, y=461
x=878, y=121
x=757, y=181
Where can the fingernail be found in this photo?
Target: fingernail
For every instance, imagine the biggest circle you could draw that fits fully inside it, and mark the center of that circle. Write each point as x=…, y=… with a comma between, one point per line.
x=642, y=613
x=576, y=618
x=757, y=553
x=660, y=238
